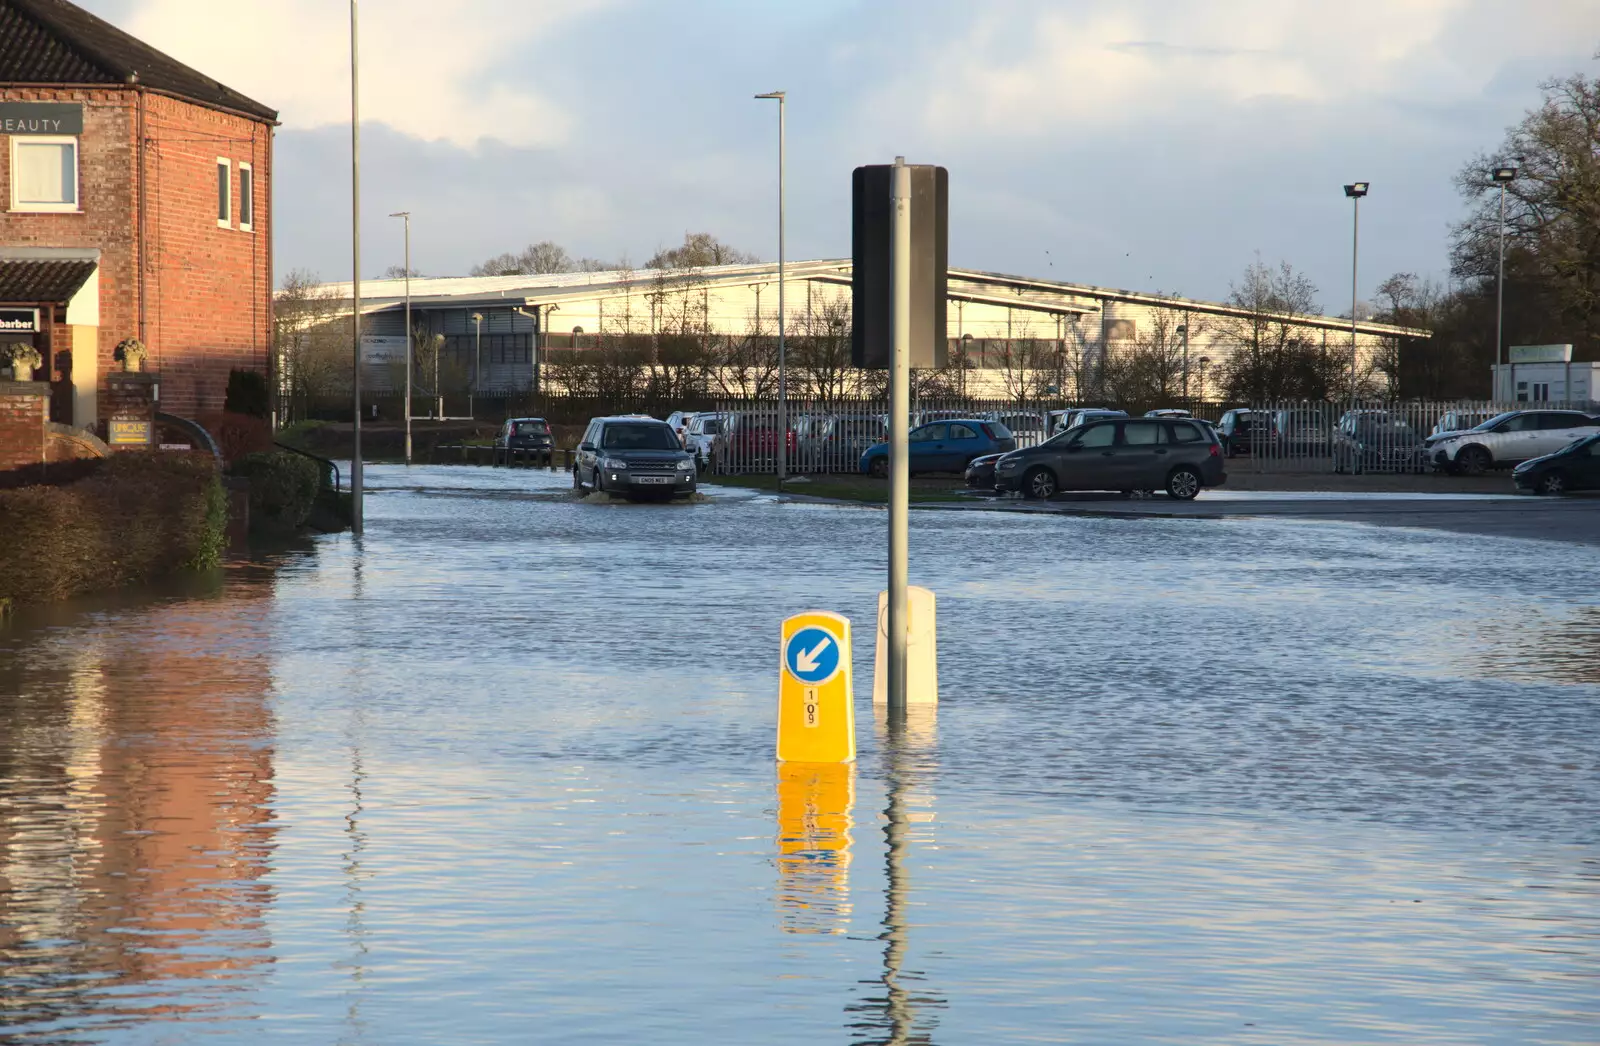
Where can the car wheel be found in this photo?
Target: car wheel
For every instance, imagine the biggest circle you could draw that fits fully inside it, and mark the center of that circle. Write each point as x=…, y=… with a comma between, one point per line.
x=1039, y=482
x=599, y=483
x=1552, y=484
x=1473, y=461
x=1183, y=484
x=879, y=468
x=577, y=479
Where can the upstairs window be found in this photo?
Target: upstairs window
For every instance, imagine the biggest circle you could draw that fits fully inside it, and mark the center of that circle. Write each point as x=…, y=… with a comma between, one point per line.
x=247, y=197
x=44, y=173
x=224, y=193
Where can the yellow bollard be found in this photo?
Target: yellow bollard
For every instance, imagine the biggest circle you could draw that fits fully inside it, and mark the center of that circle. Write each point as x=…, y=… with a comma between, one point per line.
x=922, y=649
x=816, y=710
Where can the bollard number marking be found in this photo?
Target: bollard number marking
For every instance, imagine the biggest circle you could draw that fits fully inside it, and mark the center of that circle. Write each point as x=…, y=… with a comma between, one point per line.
x=811, y=706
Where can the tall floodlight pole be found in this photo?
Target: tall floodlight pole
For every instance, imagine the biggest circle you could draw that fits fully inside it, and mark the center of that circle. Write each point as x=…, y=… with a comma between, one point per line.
x=1354, y=191
x=899, y=431
x=1502, y=176
x=407, y=216
x=783, y=375
x=356, y=508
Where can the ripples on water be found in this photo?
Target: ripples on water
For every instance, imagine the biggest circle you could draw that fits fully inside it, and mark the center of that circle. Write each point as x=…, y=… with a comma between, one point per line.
x=502, y=772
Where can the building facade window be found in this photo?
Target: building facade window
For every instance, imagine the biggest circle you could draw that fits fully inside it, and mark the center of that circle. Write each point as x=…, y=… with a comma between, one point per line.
x=224, y=193
x=44, y=173
x=247, y=198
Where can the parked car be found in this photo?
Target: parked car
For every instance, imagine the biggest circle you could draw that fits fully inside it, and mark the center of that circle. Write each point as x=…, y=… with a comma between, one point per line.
x=1245, y=431
x=1027, y=426
x=679, y=420
x=524, y=434
x=703, y=435
x=633, y=456
x=980, y=472
x=835, y=442
x=1303, y=431
x=1180, y=456
x=1076, y=416
x=1376, y=441
x=1460, y=421
x=1507, y=439
x=944, y=446
x=1574, y=467
x=751, y=439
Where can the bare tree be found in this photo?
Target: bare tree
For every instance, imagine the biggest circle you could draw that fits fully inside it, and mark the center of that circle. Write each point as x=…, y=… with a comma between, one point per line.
x=311, y=336
x=1275, y=355
x=533, y=260
x=1150, y=370
x=699, y=249
x=820, y=355
x=398, y=272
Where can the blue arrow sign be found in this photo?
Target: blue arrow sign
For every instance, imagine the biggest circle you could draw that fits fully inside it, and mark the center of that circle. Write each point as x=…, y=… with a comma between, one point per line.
x=812, y=655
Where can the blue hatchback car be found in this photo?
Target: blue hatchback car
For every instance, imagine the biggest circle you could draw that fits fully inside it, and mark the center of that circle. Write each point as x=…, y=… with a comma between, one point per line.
x=944, y=446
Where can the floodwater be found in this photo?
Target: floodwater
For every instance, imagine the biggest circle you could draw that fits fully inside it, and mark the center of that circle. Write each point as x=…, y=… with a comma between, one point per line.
x=502, y=772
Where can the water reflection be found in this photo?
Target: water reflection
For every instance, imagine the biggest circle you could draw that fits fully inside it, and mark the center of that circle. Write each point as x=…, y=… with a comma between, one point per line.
x=814, y=821
x=134, y=817
x=900, y=1009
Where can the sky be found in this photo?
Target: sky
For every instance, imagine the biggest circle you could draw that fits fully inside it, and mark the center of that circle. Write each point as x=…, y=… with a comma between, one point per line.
x=1155, y=145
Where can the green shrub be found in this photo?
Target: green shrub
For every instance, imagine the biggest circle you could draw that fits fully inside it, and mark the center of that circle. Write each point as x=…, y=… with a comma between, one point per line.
x=139, y=516
x=283, y=488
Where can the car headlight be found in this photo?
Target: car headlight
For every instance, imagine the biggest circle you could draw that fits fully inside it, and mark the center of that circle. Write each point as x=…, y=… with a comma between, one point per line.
x=686, y=465
x=613, y=463
x=1007, y=464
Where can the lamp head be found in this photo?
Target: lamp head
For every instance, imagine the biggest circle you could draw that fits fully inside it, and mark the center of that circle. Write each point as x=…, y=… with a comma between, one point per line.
x=779, y=95
x=1356, y=190
x=401, y=214
x=477, y=317
x=1505, y=174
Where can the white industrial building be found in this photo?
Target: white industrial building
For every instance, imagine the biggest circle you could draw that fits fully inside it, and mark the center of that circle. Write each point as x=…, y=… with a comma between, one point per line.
x=530, y=326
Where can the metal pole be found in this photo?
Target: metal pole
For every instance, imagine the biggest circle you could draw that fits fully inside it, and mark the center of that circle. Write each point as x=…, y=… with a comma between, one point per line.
x=1500, y=298
x=477, y=363
x=899, y=432
x=1355, y=249
x=1184, y=329
x=407, y=216
x=783, y=370
x=356, y=507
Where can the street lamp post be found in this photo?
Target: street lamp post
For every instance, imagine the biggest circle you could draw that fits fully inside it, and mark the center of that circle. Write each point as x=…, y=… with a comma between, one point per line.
x=356, y=477
x=407, y=216
x=1204, y=362
x=477, y=362
x=1354, y=191
x=783, y=383
x=1183, y=332
x=1502, y=176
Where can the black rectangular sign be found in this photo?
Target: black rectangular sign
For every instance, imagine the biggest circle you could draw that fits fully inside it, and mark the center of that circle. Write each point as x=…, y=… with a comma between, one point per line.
x=41, y=118
x=870, y=278
x=17, y=321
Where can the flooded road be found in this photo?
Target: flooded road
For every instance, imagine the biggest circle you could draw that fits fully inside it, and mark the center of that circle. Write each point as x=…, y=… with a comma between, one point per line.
x=502, y=771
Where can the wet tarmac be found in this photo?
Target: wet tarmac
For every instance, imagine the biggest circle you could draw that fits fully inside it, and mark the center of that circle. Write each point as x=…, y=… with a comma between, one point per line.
x=501, y=771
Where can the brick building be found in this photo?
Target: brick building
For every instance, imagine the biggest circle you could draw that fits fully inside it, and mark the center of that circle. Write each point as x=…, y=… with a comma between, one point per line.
x=136, y=199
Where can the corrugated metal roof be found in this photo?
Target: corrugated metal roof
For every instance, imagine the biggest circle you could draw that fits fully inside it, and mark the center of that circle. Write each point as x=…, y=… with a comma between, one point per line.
x=42, y=280
x=53, y=41
x=993, y=288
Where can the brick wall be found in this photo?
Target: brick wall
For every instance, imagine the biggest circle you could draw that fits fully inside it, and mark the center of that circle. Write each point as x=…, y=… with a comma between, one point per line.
x=24, y=409
x=206, y=291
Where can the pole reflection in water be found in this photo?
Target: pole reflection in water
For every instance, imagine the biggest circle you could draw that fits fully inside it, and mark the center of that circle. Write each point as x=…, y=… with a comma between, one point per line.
x=894, y=1016
x=814, y=822
x=136, y=778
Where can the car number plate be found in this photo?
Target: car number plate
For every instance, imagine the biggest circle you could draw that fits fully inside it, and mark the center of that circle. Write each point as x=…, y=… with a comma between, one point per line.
x=652, y=479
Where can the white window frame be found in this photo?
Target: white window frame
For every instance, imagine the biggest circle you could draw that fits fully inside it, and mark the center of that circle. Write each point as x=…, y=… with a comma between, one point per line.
x=225, y=164
x=76, y=206
x=247, y=200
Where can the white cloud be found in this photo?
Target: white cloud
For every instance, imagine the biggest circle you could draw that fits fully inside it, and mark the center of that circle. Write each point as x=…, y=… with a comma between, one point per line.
x=441, y=74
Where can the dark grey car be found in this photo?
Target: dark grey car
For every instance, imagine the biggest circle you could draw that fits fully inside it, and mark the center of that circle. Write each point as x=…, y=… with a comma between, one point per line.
x=1177, y=456
x=636, y=457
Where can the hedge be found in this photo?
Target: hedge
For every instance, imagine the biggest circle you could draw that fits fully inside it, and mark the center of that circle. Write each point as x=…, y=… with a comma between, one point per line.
x=139, y=516
x=283, y=488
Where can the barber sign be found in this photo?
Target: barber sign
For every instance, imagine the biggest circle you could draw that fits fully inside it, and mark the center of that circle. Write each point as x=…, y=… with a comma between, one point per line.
x=19, y=321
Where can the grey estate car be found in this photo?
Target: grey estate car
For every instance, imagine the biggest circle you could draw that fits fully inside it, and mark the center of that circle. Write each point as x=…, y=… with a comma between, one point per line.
x=1175, y=455
x=634, y=456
